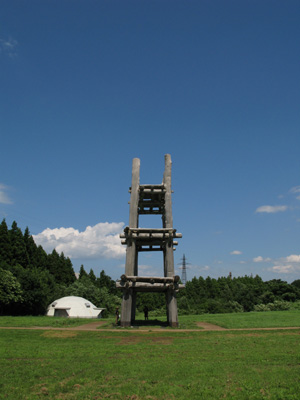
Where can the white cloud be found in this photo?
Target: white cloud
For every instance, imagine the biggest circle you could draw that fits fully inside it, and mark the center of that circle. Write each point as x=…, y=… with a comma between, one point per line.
x=287, y=265
x=284, y=269
x=271, y=209
x=236, y=252
x=242, y=262
x=295, y=189
x=4, y=198
x=100, y=240
x=293, y=258
x=261, y=259
x=298, y=197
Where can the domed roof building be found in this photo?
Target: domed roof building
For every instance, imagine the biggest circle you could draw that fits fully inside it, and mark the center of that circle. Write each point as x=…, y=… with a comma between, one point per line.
x=73, y=307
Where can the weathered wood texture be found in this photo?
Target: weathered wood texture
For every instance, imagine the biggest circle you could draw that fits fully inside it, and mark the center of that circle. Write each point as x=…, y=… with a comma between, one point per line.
x=149, y=199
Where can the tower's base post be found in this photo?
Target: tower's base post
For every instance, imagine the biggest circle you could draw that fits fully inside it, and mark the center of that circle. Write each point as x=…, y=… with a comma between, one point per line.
x=172, y=314
x=126, y=313
x=133, y=306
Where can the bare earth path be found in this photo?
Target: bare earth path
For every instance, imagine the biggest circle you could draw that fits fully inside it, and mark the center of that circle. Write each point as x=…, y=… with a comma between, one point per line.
x=94, y=326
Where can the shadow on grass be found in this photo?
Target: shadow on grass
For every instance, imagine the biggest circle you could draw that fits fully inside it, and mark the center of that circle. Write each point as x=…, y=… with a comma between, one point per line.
x=140, y=323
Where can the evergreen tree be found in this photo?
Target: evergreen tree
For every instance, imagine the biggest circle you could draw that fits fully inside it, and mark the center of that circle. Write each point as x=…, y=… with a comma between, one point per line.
x=92, y=276
x=18, y=249
x=82, y=272
x=31, y=250
x=67, y=274
x=61, y=268
x=106, y=281
x=5, y=248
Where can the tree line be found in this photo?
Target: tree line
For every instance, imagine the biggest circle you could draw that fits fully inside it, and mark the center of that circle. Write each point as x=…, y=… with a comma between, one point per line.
x=227, y=294
x=30, y=279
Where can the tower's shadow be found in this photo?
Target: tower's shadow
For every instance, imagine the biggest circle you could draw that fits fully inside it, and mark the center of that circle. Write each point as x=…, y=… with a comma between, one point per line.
x=138, y=323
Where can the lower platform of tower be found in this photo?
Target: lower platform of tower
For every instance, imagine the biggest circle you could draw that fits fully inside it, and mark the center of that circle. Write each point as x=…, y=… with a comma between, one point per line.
x=130, y=288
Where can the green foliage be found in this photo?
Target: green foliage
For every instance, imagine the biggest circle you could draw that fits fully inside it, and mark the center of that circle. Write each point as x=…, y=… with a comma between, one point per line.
x=38, y=287
x=10, y=290
x=82, y=272
x=5, y=248
x=61, y=268
x=92, y=276
x=278, y=305
x=17, y=246
x=154, y=301
x=101, y=297
x=296, y=283
x=105, y=281
x=40, y=276
x=226, y=295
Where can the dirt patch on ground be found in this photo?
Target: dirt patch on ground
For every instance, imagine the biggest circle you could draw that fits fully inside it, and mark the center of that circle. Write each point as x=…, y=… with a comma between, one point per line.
x=88, y=327
x=211, y=327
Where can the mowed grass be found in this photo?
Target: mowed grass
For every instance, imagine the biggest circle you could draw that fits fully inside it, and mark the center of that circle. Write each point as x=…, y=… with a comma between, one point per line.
x=270, y=319
x=162, y=364
x=43, y=321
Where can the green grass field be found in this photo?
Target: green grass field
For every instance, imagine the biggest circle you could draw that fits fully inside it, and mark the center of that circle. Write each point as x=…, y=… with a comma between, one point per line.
x=271, y=319
x=43, y=321
x=159, y=364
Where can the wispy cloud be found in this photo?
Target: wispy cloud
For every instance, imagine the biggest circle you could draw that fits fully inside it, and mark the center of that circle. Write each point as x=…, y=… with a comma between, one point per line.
x=287, y=265
x=4, y=198
x=284, y=269
x=271, y=209
x=236, y=252
x=100, y=240
x=8, y=47
x=295, y=189
x=147, y=270
x=261, y=259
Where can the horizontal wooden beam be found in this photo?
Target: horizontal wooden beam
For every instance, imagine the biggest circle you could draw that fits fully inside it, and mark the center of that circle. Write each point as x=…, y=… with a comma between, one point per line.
x=151, y=279
x=148, y=287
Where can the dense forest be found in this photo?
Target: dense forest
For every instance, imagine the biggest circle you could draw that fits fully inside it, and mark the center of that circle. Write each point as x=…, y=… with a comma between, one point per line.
x=30, y=279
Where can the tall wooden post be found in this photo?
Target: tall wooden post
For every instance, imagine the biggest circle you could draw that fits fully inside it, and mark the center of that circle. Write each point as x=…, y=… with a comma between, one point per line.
x=172, y=315
x=128, y=302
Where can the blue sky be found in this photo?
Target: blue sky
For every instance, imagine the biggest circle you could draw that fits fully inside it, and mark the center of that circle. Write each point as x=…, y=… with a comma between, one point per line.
x=86, y=86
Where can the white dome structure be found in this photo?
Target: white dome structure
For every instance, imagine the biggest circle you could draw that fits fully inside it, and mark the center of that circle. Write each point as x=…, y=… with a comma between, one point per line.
x=73, y=307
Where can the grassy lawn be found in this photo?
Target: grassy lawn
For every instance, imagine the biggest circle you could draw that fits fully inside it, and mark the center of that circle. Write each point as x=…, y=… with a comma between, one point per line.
x=149, y=365
x=43, y=321
x=270, y=319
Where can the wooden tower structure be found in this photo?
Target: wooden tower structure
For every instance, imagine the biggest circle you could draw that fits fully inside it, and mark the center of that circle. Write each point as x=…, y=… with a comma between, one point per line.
x=149, y=200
